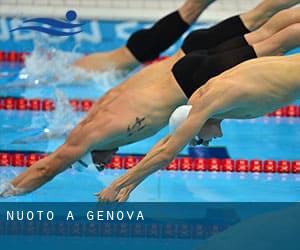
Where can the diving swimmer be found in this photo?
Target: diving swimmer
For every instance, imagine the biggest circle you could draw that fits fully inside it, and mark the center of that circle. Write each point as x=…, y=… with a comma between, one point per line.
x=276, y=83
x=136, y=109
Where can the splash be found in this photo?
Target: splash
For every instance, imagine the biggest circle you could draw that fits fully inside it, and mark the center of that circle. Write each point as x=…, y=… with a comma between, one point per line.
x=48, y=66
x=63, y=119
x=59, y=122
x=8, y=190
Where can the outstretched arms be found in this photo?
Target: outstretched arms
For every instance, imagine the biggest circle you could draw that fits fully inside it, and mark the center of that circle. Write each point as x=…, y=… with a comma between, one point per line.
x=81, y=139
x=160, y=156
x=47, y=168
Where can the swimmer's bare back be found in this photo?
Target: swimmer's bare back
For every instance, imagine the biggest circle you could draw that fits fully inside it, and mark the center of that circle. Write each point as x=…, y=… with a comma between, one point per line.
x=249, y=90
x=255, y=87
x=136, y=109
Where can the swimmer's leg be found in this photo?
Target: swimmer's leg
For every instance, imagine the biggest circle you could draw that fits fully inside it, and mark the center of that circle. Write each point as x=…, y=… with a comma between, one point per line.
x=162, y=35
x=233, y=28
x=279, y=43
x=256, y=17
x=277, y=22
x=280, y=21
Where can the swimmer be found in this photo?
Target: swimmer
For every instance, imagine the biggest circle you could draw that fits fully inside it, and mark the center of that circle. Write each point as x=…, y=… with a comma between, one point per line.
x=278, y=22
x=138, y=108
x=147, y=44
x=235, y=94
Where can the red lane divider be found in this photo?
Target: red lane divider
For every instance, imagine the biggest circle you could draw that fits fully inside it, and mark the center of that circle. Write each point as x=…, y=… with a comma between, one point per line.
x=13, y=56
x=19, y=57
x=12, y=103
x=85, y=105
x=19, y=159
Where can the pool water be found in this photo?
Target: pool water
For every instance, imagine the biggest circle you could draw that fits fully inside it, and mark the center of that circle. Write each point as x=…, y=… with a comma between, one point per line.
x=263, y=138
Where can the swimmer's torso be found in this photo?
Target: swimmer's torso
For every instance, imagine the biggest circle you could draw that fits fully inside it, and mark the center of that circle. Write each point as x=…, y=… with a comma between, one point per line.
x=143, y=103
x=259, y=86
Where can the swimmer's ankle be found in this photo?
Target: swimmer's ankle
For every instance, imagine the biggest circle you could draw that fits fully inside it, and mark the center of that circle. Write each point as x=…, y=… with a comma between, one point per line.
x=191, y=9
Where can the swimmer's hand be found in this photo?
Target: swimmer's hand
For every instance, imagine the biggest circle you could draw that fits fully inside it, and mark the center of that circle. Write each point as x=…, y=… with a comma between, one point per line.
x=7, y=190
x=111, y=194
x=124, y=194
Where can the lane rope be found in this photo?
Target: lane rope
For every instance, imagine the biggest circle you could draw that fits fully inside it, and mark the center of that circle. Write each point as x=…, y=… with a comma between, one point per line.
x=84, y=105
x=26, y=159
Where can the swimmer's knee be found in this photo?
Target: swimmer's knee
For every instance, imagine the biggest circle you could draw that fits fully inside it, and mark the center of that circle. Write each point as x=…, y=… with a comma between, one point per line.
x=147, y=44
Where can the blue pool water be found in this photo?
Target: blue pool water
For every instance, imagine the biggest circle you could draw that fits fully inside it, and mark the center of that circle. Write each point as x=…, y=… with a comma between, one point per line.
x=263, y=138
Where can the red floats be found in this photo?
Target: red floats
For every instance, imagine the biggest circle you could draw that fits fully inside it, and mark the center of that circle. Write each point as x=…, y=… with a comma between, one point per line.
x=5, y=159
x=35, y=104
x=241, y=166
x=12, y=56
x=9, y=103
x=48, y=105
x=22, y=56
x=21, y=104
x=214, y=165
x=31, y=159
x=174, y=165
x=86, y=105
x=18, y=160
x=292, y=111
x=130, y=162
x=116, y=163
x=2, y=56
x=279, y=113
x=228, y=165
x=186, y=164
x=75, y=104
x=296, y=167
x=200, y=164
x=270, y=166
x=256, y=166
x=284, y=167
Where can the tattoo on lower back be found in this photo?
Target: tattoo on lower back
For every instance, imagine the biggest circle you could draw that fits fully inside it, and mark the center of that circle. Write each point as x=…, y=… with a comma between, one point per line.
x=137, y=126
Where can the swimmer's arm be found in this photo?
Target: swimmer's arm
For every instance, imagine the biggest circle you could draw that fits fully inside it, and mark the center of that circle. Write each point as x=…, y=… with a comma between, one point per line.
x=47, y=168
x=160, y=156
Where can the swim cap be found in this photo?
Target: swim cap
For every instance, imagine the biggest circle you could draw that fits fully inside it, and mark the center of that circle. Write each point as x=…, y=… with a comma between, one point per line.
x=178, y=117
